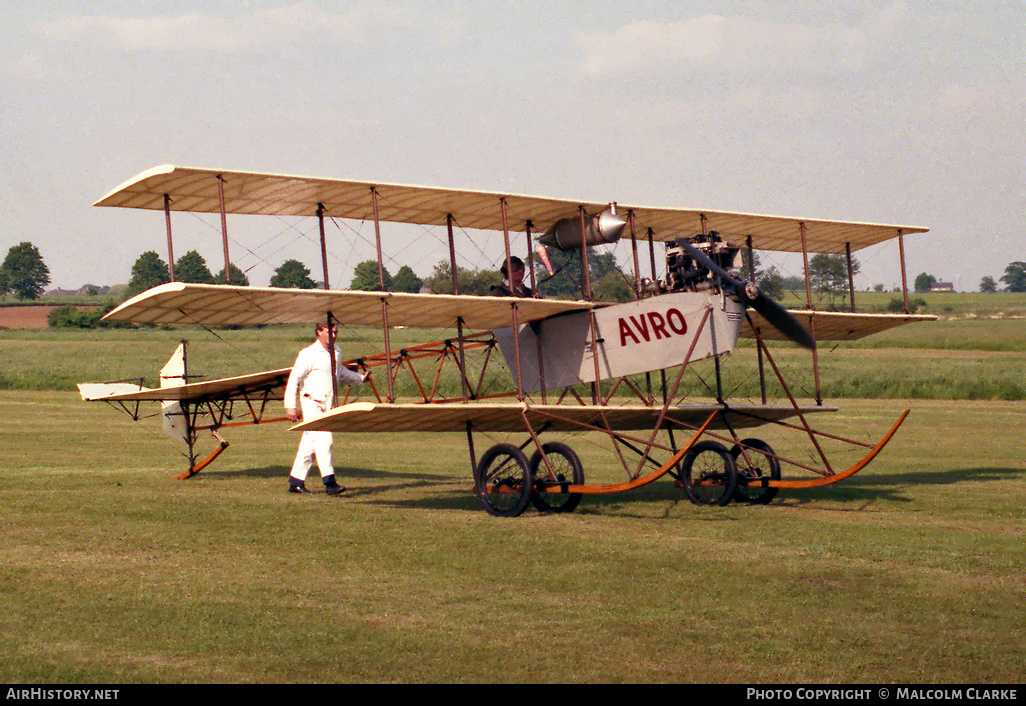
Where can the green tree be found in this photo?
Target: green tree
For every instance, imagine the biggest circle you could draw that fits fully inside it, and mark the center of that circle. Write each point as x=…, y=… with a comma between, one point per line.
x=239, y=278
x=793, y=283
x=829, y=273
x=191, y=267
x=924, y=282
x=24, y=271
x=772, y=283
x=69, y=316
x=406, y=280
x=987, y=284
x=292, y=274
x=746, y=271
x=1015, y=277
x=915, y=305
x=612, y=287
x=148, y=271
x=365, y=277
x=478, y=282
x=567, y=283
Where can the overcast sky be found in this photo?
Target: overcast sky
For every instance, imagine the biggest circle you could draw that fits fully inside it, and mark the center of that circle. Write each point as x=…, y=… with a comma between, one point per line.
x=890, y=112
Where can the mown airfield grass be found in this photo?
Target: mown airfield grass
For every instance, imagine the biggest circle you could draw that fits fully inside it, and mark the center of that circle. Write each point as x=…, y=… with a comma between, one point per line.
x=911, y=571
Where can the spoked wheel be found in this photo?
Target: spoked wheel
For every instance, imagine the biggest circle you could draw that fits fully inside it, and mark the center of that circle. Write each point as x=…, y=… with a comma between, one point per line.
x=760, y=466
x=566, y=468
x=708, y=474
x=503, y=480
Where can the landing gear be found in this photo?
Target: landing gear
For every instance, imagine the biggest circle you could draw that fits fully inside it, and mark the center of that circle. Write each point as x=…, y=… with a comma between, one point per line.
x=565, y=469
x=708, y=474
x=761, y=465
x=503, y=480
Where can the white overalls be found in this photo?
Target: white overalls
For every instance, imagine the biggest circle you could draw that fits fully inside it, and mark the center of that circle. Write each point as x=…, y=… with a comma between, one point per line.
x=311, y=381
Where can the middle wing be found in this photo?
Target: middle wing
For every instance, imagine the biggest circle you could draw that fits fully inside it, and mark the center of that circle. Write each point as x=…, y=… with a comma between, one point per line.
x=454, y=417
x=218, y=304
x=833, y=325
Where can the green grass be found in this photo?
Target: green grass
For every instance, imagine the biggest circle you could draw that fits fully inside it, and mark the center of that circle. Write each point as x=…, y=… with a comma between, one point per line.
x=979, y=334
x=911, y=571
x=947, y=359
x=11, y=299
x=953, y=304
x=112, y=572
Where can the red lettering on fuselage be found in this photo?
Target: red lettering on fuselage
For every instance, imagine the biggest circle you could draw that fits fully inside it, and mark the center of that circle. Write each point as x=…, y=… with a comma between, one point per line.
x=637, y=328
x=658, y=325
x=625, y=331
x=681, y=326
x=642, y=326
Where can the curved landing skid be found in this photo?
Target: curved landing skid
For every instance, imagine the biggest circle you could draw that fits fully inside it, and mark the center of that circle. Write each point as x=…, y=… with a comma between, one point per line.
x=827, y=480
x=527, y=484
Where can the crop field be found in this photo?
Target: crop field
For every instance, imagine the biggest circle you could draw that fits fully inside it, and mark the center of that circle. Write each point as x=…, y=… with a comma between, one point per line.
x=111, y=571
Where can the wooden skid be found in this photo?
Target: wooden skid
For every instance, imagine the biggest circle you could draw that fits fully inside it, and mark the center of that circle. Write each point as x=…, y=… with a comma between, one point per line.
x=834, y=478
x=632, y=484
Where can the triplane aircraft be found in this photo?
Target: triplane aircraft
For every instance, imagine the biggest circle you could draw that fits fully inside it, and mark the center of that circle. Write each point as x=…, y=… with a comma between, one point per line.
x=573, y=366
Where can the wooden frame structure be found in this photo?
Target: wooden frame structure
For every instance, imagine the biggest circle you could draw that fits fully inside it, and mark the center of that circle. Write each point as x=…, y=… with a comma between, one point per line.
x=506, y=471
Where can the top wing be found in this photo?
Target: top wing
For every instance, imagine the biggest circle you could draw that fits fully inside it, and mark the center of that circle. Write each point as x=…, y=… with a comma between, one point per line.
x=454, y=417
x=215, y=304
x=200, y=190
x=833, y=325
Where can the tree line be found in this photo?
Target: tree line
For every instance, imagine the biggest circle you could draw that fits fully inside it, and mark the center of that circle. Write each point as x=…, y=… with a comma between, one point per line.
x=1014, y=279
x=608, y=282
x=25, y=274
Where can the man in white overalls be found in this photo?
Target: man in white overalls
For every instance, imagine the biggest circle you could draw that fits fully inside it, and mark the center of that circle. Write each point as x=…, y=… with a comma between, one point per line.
x=310, y=380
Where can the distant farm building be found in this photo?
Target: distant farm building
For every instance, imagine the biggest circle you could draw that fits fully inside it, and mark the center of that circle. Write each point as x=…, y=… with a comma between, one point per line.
x=942, y=287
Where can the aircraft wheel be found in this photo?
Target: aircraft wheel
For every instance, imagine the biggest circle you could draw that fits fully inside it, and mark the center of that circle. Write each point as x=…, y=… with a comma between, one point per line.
x=566, y=468
x=749, y=475
x=709, y=474
x=503, y=480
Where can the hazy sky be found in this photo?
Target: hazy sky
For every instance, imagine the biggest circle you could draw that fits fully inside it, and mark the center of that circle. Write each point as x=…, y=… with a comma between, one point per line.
x=891, y=112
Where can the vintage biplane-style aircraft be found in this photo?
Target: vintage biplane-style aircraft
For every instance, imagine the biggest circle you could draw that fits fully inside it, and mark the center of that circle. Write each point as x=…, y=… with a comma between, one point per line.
x=571, y=365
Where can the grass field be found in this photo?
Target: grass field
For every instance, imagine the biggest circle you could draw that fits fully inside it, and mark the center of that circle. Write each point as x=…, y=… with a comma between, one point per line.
x=912, y=571
x=112, y=572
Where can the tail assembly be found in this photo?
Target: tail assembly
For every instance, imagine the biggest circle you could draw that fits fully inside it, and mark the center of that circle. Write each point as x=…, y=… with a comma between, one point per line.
x=176, y=424
x=176, y=418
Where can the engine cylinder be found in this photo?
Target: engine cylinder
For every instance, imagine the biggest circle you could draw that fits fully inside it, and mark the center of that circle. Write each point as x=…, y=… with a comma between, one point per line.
x=601, y=229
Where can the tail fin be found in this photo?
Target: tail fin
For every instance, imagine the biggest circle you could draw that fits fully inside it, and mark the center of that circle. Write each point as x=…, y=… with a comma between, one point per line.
x=172, y=375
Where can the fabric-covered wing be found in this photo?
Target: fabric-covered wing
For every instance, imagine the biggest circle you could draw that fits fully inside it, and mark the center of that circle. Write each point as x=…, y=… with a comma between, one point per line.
x=225, y=388
x=214, y=304
x=453, y=417
x=199, y=190
x=113, y=391
x=834, y=325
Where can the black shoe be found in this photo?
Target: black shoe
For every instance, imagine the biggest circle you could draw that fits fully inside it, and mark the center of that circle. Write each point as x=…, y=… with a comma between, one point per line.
x=334, y=489
x=297, y=488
